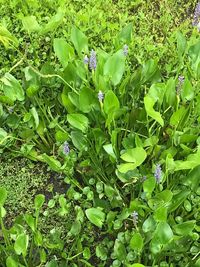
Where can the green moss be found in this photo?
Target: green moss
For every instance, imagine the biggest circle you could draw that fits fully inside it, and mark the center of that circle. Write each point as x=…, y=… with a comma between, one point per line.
x=23, y=180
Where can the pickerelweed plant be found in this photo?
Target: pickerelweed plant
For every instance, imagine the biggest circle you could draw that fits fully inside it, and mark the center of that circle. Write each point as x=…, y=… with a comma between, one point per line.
x=108, y=125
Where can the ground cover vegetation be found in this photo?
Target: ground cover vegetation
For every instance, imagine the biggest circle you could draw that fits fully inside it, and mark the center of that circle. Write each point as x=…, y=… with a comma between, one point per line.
x=99, y=133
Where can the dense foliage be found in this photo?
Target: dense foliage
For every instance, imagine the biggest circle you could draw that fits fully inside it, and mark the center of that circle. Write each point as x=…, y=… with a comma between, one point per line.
x=106, y=94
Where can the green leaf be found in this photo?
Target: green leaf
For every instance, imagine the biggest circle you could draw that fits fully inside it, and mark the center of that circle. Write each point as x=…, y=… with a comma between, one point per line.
x=187, y=92
x=111, y=102
x=160, y=214
x=30, y=221
x=192, y=179
x=120, y=250
x=54, y=22
x=21, y=244
x=30, y=24
x=163, y=233
x=136, y=242
x=61, y=136
x=178, y=199
x=149, y=103
x=149, y=225
x=126, y=34
x=170, y=92
x=149, y=185
x=134, y=156
x=63, y=51
x=53, y=163
x=39, y=201
x=12, y=88
x=184, y=228
x=157, y=91
x=78, y=121
x=6, y=37
x=52, y=263
x=79, y=40
x=76, y=228
x=3, y=196
x=96, y=216
x=101, y=252
x=149, y=70
x=109, y=149
x=10, y=262
x=181, y=43
x=115, y=67
x=79, y=140
x=177, y=116
x=34, y=113
x=86, y=100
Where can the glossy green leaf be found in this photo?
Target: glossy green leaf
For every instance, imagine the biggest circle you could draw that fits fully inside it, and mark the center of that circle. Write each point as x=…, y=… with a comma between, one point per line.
x=126, y=34
x=21, y=244
x=192, y=179
x=187, y=92
x=30, y=24
x=149, y=103
x=96, y=216
x=10, y=262
x=53, y=163
x=109, y=149
x=184, y=228
x=119, y=250
x=135, y=155
x=149, y=70
x=136, y=242
x=62, y=50
x=160, y=214
x=79, y=140
x=34, y=113
x=149, y=225
x=86, y=100
x=54, y=21
x=30, y=221
x=170, y=92
x=39, y=201
x=7, y=38
x=115, y=67
x=78, y=121
x=178, y=199
x=12, y=88
x=111, y=102
x=79, y=40
x=163, y=233
x=181, y=43
x=149, y=185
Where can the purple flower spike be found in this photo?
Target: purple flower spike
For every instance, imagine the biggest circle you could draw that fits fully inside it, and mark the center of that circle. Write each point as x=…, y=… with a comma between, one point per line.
x=135, y=217
x=181, y=81
x=196, y=15
x=125, y=49
x=93, y=60
x=158, y=173
x=100, y=96
x=86, y=60
x=66, y=148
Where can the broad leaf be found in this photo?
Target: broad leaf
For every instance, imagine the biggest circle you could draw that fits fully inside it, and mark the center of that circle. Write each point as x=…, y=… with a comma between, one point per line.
x=149, y=103
x=21, y=244
x=79, y=40
x=78, y=121
x=96, y=216
x=12, y=88
x=115, y=67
